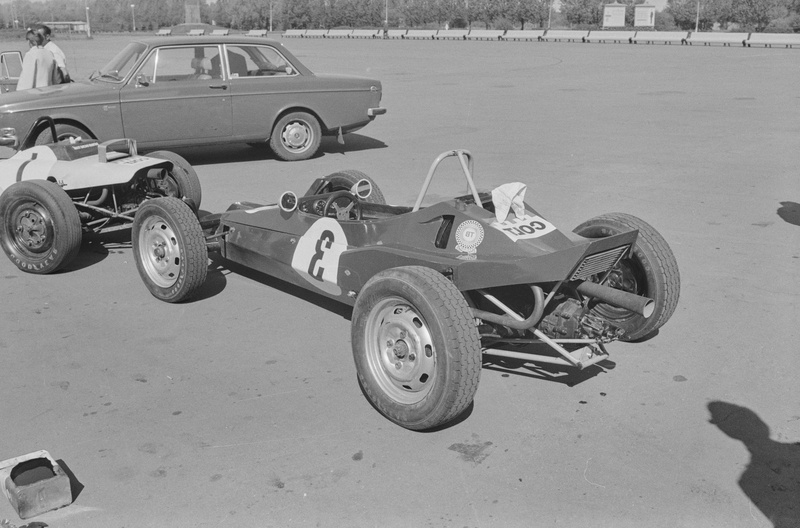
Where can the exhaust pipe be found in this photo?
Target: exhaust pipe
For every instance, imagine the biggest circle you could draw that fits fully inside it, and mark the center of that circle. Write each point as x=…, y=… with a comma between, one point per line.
x=636, y=303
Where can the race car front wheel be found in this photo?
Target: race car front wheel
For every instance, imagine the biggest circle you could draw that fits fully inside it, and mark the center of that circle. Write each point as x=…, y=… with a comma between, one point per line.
x=650, y=270
x=169, y=249
x=346, y=179
x=41, y=229
x=182, y=180
x=416, y=347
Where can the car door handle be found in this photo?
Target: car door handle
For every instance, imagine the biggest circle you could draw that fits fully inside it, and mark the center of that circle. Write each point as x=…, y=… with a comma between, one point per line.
x=218, y=86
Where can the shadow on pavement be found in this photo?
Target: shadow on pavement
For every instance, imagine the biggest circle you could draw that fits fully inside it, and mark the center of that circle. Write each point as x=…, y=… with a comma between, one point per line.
x=241, y=152
x=555, y=373
x=772, y=478
x=216, y=283
x=790, y=212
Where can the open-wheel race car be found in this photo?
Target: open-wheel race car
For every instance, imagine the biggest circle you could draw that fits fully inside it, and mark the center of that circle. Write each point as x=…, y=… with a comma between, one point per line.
x=432, y=288
x=52, y=194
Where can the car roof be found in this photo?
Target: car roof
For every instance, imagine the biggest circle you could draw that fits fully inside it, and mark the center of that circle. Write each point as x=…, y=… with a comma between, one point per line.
x=207, y=39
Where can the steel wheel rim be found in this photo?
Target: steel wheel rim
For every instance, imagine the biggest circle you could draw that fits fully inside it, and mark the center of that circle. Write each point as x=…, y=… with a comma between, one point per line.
x=399, y=350
x=31, y=228
x=297, y=136
x=159, y=251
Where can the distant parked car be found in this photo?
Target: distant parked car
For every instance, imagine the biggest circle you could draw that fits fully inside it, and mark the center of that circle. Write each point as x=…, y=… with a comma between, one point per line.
x=185, y=91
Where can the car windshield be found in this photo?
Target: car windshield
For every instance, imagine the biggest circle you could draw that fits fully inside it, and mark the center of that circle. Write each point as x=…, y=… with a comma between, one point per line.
x=118, y=68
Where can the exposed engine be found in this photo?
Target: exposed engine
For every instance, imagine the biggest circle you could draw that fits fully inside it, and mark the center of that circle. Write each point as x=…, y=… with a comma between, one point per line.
x=571, y=320
x=101, y=206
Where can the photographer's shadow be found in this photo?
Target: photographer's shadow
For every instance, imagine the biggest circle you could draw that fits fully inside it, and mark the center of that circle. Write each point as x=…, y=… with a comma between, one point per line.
x=772, y=478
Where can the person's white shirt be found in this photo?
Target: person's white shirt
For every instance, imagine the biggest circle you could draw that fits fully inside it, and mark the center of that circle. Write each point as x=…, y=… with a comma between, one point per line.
x=61, y=58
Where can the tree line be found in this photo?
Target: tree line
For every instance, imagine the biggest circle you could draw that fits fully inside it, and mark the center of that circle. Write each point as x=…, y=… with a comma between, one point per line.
x=148, y=15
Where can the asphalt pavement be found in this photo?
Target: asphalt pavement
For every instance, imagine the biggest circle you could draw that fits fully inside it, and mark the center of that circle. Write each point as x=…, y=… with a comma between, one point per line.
x=241, y=408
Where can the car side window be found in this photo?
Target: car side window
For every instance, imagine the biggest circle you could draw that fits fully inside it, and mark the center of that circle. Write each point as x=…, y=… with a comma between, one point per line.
x=191, y=63
x=256, y=61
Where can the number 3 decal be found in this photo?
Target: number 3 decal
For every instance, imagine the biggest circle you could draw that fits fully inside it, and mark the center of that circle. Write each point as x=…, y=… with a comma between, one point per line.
x=316, y=258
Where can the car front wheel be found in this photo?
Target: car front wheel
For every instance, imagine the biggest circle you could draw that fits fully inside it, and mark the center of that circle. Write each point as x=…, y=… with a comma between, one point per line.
x=296, y=136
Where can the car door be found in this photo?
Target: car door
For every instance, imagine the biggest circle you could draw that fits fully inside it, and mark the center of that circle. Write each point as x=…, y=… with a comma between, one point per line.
x=263, y=82
x=175, y=98
x=10, y=69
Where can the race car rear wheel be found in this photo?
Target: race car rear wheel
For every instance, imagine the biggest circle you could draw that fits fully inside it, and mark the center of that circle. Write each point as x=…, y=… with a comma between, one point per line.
x=296, y=136
x=63, y=131
x=169, y=249
x=344, y=181
x=416, y=347
x=184, y=181
x=651, y=271
x=40, y=227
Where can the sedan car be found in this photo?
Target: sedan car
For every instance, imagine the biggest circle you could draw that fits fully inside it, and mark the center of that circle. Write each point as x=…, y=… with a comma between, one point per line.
x=186, y=91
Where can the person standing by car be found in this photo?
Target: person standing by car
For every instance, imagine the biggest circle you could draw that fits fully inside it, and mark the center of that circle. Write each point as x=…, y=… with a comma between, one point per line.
x=61, y=58
x=39, y=64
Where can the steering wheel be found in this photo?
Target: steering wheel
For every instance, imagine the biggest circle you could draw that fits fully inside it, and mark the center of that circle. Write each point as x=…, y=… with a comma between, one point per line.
x=342, y=205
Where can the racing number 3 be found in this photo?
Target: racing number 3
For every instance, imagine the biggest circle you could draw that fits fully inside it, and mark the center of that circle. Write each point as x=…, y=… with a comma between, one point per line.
x=325, y=241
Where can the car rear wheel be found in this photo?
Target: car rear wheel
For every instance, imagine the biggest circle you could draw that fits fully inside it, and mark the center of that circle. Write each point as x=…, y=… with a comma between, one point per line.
x=416, y=347
x=41, y=229
x=296, y=136
x=182, y=180
x=650, y=270
x=169, y=249
x=63, y=131
x=345, y=180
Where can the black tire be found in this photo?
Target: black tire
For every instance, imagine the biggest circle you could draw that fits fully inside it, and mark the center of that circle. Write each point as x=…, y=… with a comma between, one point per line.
x=40, y=229
x=344, y=181
x=651, y=271
x=187, y=184
x=63, y=132
x=296, y=136
x=414, y=318
x=169, y=249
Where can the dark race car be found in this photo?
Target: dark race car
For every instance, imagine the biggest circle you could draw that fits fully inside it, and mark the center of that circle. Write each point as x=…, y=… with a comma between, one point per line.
x=432, y=288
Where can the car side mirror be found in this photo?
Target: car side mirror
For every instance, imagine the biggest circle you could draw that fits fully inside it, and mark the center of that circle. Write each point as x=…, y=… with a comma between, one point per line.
x=288, y=202
x=362, y=188
x=142, y=80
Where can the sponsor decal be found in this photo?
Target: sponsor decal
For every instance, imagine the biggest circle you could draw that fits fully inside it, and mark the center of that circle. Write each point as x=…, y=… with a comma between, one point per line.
x=316, y=257
x=524, y=227
x=469, y=235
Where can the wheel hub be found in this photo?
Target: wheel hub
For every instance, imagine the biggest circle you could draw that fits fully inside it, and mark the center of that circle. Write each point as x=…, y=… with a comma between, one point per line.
x=31, y=230
x=295, y=136
x=402, y=358
x=160, y=252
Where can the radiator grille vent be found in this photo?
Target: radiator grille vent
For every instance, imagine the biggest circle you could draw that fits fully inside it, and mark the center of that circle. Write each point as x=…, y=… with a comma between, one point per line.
x=598, y=263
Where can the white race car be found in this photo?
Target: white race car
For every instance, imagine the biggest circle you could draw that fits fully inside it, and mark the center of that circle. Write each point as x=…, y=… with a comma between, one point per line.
x=52, y=194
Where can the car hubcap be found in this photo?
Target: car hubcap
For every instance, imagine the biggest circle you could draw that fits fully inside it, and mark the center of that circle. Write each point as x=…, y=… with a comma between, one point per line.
x=32, y=228
x=160, y=252
x=400, y=351
x=296, y=136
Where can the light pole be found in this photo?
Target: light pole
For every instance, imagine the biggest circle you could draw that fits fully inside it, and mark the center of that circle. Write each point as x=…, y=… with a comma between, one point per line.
x=697, y=20
x=270, y=16
x=133, y=17
x=550, y=13
x=88, y=25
